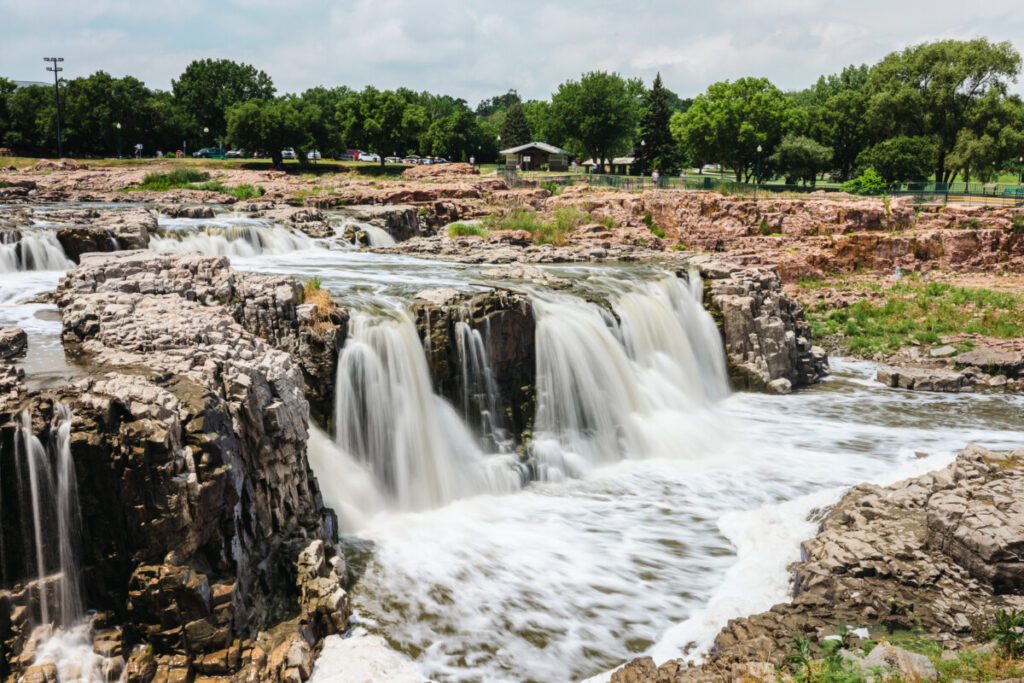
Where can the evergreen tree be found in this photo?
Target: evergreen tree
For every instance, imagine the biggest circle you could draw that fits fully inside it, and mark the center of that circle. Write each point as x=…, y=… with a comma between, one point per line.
x=658, y=150
x=516, y=130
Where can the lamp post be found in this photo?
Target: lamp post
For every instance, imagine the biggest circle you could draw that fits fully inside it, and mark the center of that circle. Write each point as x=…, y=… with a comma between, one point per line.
x=757, y=172
x=643, y=157
x=118, y=127
x=206, y=136
x=1020, y=180
x=497, y=157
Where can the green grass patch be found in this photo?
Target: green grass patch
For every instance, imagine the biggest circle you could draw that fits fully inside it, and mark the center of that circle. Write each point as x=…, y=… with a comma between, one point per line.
x=178, y=178
x=563, y=221
x=465, y=230
x=239, y=192
x=912, y=311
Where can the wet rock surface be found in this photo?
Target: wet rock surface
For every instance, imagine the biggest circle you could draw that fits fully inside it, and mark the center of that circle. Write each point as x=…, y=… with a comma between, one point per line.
x=767, y=339
x=203, y=530
x=400, y=221
x=504, y=325
x=938, y=553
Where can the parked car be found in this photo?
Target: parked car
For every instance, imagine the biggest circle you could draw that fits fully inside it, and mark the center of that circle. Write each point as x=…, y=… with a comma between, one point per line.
x=234, y=153
x=393, y=160
x=366, y=156
x=313, y=155
x=411, y=160
x=209, y=153
x=288, y=153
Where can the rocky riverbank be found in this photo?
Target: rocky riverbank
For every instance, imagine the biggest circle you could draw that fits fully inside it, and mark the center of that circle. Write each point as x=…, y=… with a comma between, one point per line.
x=936, y=556
x=203, y=536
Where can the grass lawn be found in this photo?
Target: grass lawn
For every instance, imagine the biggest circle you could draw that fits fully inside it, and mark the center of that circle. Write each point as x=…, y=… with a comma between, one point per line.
x=890, y=316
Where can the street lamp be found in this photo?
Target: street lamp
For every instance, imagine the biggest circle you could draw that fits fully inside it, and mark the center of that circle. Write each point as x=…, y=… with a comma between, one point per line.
x=643, y=157
x=118, y=127
x=56, y=69
x=757, y=176
x=206, y=135
x=1020, y=181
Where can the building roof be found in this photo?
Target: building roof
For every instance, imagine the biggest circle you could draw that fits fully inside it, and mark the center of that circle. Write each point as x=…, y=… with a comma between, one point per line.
x=542, y=146
x=25, y=84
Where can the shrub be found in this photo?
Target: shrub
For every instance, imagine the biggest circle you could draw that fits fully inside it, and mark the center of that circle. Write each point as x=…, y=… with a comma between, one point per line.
x=1007, y=631
x=239, y=192
x=553, y=188
x=609, y=222
x=764, y=227
x=868, y=182
x=464, y=230
x=1017, y=222
x=652, y=226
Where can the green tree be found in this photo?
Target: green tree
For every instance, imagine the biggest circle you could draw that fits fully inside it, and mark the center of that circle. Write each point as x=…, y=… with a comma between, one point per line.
x=800, y=159
x=728, y=122
x=599, y=113
x=93, y=105
x=938, y=89
x=381, y=121
x=900, y=159
x=538, y=116
x=6, y=90
x=324, y=130
x=990, y=142
x=516, y=130
x=658, y=150
x=209, y=87
x=32, y=118
x=272, y=125
x=834, y=108
x=499, y=103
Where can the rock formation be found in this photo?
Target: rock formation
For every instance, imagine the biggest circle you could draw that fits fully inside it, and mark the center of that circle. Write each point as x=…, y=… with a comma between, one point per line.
x=767, y=340
x=203, y=537
x=938, y=553
x=505, y=324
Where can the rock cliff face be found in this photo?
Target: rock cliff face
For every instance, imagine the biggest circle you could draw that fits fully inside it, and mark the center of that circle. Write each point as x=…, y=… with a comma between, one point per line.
x=92, y=231
x=400, y=221
x=767, y=340
x=203, y=528
x=939, y=553
x=503, y=324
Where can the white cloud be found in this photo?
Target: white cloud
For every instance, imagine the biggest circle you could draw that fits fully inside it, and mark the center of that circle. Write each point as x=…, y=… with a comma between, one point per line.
x=474, y=49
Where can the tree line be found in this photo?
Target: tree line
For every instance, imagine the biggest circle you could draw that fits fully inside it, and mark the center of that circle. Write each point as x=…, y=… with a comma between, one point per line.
x=939, y=110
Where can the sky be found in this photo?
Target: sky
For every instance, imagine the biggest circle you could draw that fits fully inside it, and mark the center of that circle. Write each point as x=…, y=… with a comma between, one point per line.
x=474, y=49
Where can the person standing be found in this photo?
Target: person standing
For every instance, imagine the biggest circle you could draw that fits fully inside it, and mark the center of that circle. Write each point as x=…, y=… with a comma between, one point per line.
x=655, y=177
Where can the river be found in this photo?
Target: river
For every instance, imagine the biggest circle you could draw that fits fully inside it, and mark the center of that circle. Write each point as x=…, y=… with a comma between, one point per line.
x=666, y=505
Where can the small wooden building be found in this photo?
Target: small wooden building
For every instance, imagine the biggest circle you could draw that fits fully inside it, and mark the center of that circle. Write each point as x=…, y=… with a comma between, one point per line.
x=535, y=156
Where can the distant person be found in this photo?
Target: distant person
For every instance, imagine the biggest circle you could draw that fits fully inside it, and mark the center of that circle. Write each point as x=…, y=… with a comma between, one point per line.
x=595, y=168
x=159, y=154
x=178, y=154
x=472, y=161
x=655, y=177
x=575, y=166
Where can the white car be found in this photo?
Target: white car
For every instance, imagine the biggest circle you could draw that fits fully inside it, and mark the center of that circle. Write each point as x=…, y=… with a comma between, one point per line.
x=288, y=153
x=367, y=156
x=393, y=160
x=313, y=155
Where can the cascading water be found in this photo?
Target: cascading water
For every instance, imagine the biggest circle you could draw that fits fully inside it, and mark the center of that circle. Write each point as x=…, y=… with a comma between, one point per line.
x=638, y=383
x=479, y=389
x=36, y=250
x=388, y=417
x=52, y=507
x=228, y=237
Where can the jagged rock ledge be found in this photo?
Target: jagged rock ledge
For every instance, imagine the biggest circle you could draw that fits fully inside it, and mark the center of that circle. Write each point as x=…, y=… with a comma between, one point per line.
x=938, y=554
x=204, y=538
x=767, y=339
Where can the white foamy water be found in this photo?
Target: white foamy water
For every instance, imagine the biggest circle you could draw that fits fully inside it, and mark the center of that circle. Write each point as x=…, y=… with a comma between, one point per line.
x=228, y=236
x=566, y=580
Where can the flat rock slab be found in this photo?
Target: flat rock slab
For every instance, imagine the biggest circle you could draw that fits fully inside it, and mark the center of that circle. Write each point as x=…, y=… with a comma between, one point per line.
x=13, y=342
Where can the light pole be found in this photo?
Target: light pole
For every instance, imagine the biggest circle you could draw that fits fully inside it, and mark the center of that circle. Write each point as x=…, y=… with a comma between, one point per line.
x=56, y=94
x=1020, y=180
x=757, y=172
x=497, y=157
x=643, y=157
x=118, y=127
x=206, y=135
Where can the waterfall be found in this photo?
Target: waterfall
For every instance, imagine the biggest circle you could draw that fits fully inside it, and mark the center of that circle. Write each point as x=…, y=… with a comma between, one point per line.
x=479, y=389
x=636, y=383
x=360, y=234
x=388, y=417
x=228, y=239
x=36, y=250
x=54, y=515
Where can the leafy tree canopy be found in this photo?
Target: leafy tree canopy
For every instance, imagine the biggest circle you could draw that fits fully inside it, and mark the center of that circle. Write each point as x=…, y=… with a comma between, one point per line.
x=208, y=87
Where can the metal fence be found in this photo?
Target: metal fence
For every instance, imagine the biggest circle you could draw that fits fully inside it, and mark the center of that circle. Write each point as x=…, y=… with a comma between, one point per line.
x=979, y=193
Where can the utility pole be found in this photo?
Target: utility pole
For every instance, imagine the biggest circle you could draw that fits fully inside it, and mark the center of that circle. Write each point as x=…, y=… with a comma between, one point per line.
x=56, y=94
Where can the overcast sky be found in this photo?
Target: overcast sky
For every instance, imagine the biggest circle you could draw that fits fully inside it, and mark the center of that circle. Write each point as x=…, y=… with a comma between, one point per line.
x=474, y=49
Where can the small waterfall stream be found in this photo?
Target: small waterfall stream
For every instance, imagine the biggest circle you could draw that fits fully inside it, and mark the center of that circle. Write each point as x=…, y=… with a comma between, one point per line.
x=388, y=417
x=240, y=237
x=35, y=250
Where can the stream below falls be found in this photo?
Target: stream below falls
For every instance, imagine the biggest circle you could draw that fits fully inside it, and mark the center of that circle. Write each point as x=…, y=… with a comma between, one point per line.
x=664, y=505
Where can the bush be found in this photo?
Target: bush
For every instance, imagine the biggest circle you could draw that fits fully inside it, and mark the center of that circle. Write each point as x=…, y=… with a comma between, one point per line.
x=765, y=228
x=464, y=230
x=649, y=222
x=239, y=192
x=900, y=159
x=868, y=182
x=1017, y=222
x=1007, y=632
x=553, y=188
x=565, y=220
